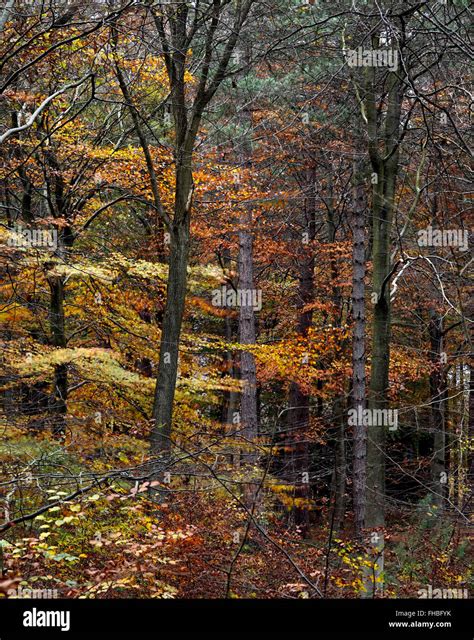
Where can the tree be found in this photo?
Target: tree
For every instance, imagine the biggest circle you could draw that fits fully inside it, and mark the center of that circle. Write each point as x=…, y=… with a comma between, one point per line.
x=184, y=26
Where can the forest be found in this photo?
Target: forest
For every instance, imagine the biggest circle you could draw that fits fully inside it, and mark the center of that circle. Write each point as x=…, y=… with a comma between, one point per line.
x=236, y=313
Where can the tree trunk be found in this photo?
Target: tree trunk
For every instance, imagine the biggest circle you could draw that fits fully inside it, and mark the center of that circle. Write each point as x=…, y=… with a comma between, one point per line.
x=247, y=336
x=247, y=330
x=59, y=409
x=230, y=404
x=467, y=508
x=338, y=413
x=385, y=169
x=340, y=465
x=173, y=314
x=298, y=416
x=375, y=511
x=359, y=455
x=438, y=396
